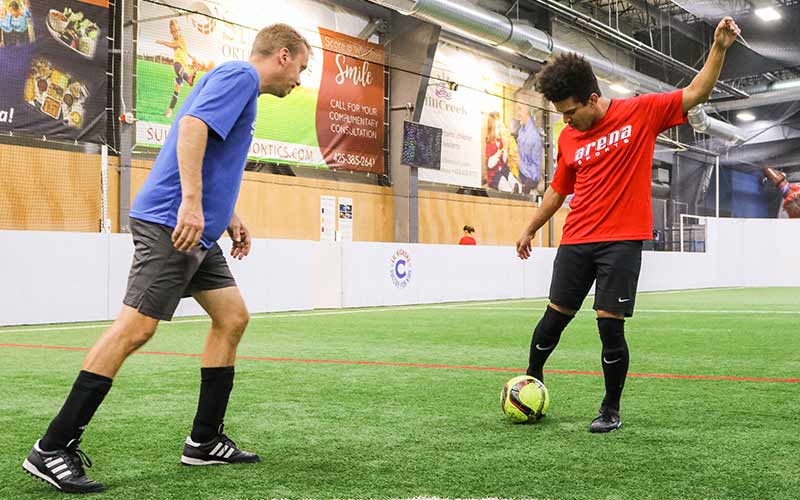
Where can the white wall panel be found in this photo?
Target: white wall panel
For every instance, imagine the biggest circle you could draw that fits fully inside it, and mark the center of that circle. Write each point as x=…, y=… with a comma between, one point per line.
x=288, y=275
x=52, y=277
x=327, y=262
x=538, y=270
x=63, y=277
x=452, y=273
x=367, y=274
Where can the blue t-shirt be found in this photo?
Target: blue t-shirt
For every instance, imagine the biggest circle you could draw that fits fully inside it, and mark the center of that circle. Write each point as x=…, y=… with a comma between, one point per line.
x=529, y=145
x=20, y=23
x=5, y=23
x=225, y=99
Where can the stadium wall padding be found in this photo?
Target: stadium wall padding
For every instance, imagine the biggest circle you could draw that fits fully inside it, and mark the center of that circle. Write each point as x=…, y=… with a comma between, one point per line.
x=53, y=277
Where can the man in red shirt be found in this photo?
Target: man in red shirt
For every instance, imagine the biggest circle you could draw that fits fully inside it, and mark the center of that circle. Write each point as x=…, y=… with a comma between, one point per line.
x=605, y=158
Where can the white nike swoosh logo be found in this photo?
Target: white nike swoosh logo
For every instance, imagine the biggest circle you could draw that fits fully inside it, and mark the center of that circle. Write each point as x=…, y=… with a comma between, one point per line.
x=623, y=300
x=611, y=362
x=539, y=348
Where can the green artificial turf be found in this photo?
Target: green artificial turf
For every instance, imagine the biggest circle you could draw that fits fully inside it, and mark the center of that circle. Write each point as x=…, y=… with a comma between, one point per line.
x=349, y=430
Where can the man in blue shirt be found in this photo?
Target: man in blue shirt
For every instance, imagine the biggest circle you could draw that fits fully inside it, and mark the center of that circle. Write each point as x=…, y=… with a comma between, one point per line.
x=529, y=144
x=185, y=205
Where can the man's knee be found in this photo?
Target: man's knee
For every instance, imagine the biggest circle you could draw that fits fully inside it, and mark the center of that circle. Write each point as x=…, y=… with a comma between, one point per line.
x=563, y=310
x=233, y=323
x=607, y=314
x=134, y=335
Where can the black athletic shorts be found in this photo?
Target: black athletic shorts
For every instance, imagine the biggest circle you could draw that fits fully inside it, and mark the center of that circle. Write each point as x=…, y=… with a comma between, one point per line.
x=614, y=265
x=161, y=275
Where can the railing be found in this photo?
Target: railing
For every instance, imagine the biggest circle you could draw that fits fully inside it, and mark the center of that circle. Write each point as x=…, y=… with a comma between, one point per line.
x=697, y=245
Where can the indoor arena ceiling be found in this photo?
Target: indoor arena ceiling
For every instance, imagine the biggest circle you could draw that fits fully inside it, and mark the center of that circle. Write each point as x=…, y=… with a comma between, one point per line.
x=767, y=60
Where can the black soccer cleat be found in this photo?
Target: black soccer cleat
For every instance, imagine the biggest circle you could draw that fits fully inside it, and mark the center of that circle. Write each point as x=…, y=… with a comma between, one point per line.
x=608, y=420
x=62, y=468
x=219, y=451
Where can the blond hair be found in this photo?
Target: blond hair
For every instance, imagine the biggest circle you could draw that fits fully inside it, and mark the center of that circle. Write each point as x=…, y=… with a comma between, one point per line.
x=277, y=36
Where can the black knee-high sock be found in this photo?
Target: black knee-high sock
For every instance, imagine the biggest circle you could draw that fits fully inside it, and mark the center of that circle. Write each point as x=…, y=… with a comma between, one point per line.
x=615, y=359
x=545, y=339
x=87, y=393
x=174, y=100
x=215, y=389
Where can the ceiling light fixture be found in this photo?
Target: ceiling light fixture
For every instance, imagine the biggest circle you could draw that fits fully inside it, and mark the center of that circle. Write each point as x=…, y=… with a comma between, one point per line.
x=745, y=116
x=768, y=14
x=620, y=89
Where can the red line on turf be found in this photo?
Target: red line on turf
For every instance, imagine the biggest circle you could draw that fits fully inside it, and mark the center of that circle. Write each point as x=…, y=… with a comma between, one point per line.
x=428, y=365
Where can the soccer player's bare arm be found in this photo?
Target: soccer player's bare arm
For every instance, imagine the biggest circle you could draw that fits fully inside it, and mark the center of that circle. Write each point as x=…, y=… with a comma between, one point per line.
x=192, y=140
x=550, y=204
x=698, y=91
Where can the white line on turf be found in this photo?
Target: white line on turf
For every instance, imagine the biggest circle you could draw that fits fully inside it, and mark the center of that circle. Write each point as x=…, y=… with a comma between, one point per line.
x=469, y=305
x=680, y=311
x=254, y=316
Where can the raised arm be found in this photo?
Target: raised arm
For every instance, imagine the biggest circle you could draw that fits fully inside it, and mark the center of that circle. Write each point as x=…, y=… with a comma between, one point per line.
x=171, y=45
x=698, y=91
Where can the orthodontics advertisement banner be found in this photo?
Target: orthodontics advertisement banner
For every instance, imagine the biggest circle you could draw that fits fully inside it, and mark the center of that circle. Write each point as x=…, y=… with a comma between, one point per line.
x=334, y=119
x=53, y=68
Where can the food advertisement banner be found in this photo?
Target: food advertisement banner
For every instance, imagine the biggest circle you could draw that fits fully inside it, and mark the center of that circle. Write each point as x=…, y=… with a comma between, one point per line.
x=335, y=119
x=53, y=68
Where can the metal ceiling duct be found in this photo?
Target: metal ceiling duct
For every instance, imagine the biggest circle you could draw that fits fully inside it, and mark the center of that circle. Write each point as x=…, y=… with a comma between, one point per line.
x=613, y=72
x=476, y=23
x=701, y=122
x=497, y=30
x=765, y=95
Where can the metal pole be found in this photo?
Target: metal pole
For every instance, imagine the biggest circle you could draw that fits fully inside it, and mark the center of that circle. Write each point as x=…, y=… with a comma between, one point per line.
x=681, y=231
x=105, y=222
x=717, y=181
x=548, y=167
x=127, y=132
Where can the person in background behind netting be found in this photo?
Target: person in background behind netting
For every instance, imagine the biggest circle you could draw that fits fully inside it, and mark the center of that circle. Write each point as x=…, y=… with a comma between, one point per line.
x=467, y=239
x=20, y=21
x=5, y=25
x=605, y=157
x=185, y=205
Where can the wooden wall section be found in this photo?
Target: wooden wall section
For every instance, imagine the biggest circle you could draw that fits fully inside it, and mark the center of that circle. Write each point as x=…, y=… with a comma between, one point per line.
x=278, y=206
x=496, y=221
x=49, y=190
x=52, y=190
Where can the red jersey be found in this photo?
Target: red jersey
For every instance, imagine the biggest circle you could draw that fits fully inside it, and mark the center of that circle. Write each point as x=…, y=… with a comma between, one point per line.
x=609, y=168
x=467, y=240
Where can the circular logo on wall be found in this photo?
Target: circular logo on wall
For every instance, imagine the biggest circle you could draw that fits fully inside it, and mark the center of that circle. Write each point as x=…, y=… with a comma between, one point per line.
x=400, y=268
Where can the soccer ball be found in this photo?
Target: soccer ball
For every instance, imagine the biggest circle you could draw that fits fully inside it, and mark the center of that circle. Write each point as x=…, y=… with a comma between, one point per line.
x=524, y=399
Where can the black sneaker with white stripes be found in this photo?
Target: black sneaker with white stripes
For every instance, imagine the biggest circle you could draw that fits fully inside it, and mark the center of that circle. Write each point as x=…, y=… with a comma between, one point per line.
x=62, y=468
x=219, y=451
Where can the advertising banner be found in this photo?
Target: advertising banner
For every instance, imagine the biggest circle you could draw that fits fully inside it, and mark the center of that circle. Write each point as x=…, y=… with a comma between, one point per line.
x=335, y=119
x=53, y=68
x=492, y=135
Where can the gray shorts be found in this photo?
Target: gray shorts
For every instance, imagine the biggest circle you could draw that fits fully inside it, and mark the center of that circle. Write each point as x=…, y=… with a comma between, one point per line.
x=161, y=275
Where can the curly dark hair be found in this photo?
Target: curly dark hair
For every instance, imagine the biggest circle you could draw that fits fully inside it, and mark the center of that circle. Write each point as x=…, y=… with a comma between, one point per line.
x=567, y=75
